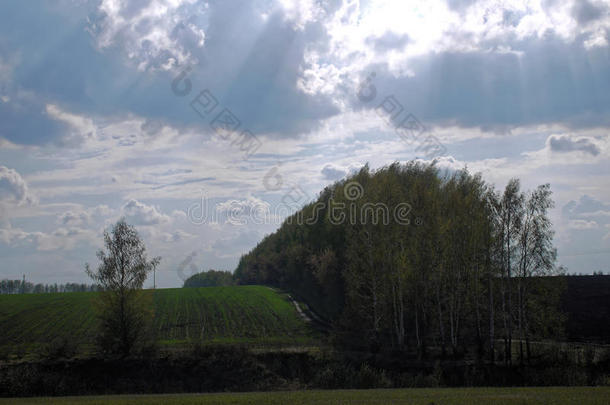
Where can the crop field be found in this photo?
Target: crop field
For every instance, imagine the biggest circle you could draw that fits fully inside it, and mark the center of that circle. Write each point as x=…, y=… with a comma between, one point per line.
x=424, y=396
x=225, y=314
x=242, y=314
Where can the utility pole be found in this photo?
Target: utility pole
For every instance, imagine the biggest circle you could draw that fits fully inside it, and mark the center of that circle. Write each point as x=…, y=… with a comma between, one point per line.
x=154, y=276
x=23, y=285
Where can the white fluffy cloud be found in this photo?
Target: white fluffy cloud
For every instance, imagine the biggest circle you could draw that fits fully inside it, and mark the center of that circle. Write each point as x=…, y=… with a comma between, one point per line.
x=71, y=218
x=250, y=210
x=138, y=213
x=421, y=27
x=13, y=188
x=333, y=172
x=63, y=238
x=11, y=236
x=155, y=34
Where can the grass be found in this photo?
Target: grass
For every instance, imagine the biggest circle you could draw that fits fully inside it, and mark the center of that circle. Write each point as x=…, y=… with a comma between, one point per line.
x=424, y=396
x=234, y=315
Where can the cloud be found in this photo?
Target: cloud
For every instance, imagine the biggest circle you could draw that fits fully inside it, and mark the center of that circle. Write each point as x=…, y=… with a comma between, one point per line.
x=7, y=64
x=70, y=218
x=586, y=206
x=24, y=120
x=80, y=217
x=588, y=214
x=465, y=70
x=332, y=172
x=460, y=5
x=583, y=232
x=301, y=12
x=253, y=75
x=177, y=236
x=138, y=213
x=565, y=143
x=77, y=128
x=154, y=34
x=63, y=238
x=497, y=91
x=12, y=236
x=388, y=41
x=95, y=120
x=586, y=11
x=246, y=211
x=240, y=241
x=102, y=211
x=582, y=224
x=300, y=62
x=13, y=189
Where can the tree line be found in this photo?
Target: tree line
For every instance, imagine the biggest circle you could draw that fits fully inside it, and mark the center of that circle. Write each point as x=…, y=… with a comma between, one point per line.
x=210, y=278
x=25, y=287
x=465, y=272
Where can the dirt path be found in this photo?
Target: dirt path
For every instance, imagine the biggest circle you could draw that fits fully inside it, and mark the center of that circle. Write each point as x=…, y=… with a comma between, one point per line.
x=307, y=315
x=302, y=313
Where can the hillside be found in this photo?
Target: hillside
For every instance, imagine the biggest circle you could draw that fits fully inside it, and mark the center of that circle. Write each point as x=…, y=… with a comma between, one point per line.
x=241, y=314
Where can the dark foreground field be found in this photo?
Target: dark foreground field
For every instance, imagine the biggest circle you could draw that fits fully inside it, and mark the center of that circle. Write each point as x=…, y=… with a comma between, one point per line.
x=439, y=396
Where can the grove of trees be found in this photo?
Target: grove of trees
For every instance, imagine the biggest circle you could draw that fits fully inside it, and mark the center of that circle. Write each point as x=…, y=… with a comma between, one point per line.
x=210, y=278
x=462, y=273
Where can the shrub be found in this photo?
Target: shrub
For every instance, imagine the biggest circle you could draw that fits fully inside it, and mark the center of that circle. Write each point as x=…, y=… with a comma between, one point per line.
x=59, y=348
x=333, y=377
x=603, y=380
x=557, y=375
x=368, y=377
x=589, y=355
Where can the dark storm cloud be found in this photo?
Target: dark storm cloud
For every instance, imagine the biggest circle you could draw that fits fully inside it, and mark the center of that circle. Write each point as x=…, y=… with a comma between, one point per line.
x=585, y=11
x=252, y=65
x=567, y=144
x=549, y=81
x=25, y=121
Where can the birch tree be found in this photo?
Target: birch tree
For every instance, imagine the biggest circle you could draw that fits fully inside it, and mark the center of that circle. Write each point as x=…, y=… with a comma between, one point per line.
x=121, y=273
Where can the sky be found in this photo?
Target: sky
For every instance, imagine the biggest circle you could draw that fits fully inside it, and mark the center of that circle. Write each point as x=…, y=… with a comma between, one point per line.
x=204, y=123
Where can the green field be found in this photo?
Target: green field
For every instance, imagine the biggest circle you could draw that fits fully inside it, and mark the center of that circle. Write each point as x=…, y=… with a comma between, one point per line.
x=424, y=396
x=241, y=314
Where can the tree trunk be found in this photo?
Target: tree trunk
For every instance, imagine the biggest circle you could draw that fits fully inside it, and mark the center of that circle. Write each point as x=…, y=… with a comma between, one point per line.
x=520, y=320
x=440, y=320
x=492, y=357
x=510, y=304
x=417, y=337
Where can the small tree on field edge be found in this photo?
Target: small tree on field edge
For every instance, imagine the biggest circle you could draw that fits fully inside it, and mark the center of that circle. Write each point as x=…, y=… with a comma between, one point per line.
x=121, y=273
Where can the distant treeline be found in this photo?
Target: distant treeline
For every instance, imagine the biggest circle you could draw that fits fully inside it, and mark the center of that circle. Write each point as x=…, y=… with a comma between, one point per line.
x=595, y=273
x=26, y=287
x=460, y=271
x=210, y=278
